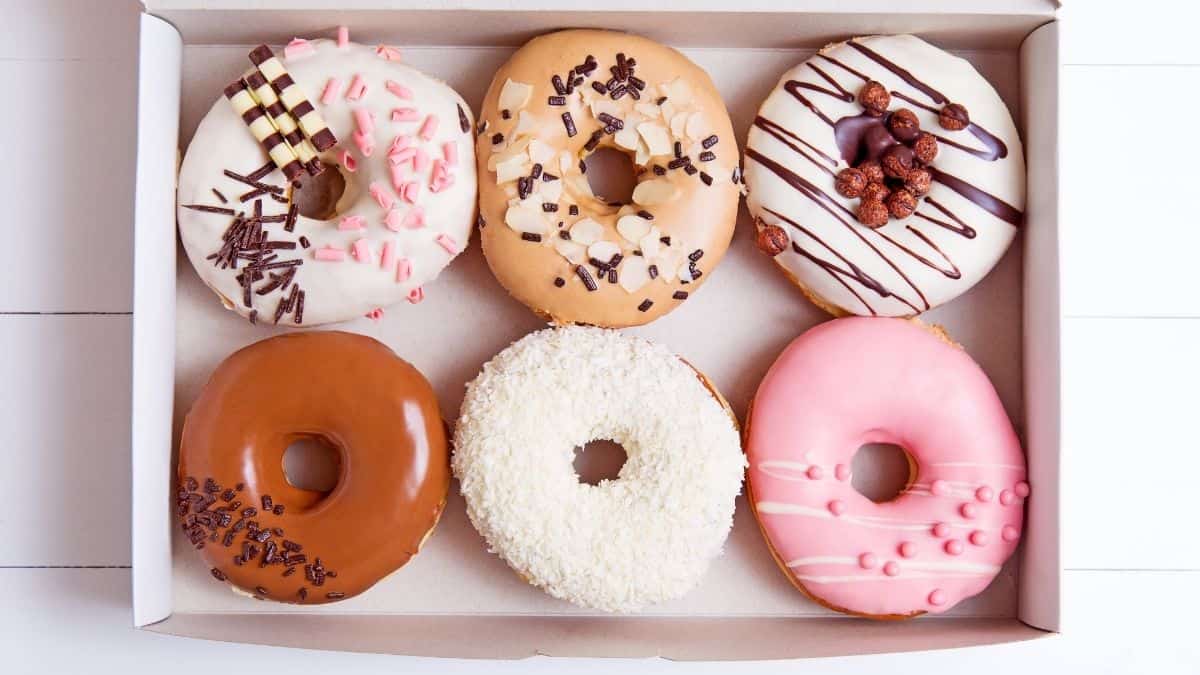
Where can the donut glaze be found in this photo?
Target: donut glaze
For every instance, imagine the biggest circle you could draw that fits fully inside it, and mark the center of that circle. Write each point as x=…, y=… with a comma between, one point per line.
x=407, y=210
x=551, y=242
x=853, y=381
x=357, y=396
x=811, y=127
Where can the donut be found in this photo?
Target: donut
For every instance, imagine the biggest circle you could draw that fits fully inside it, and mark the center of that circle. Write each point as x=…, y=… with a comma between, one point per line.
x=573, y=256
x=385, y=200
x=885, y=176
x=642, y=538
x=275, y=541
x=860, y=380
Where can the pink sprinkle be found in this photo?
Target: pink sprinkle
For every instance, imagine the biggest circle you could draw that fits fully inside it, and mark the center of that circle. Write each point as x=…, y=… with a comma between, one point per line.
x=366, y=144
x=907, y=549
x=402, y=155
x=1006, y=497
x=398, y=89
x=447, y=242
x=450, y=153
x=841, y=472
x=937, y=597
x=1022, y=489
x=399, y=143
x=978, y=538
x=388, y=257
x=814, y=472
x=348, y=161
x=443, y=182
x=415, y=219
x=297, y=48
x=398, y=176
x=381, y=195
x=867, y=561
x=420, y=160
x=405, y=115
x=940, y=530
x=375, y=314
x=428, y=127
x=416, y=295
x=352, y=223
x=388, y=53
x=362, y=250
x=343, y=39
x=364, y=120
x=939, y=488
x=412, y=192
x=984, y=494
x=329, y=95
x=837, y=507
x=358, y=87
x=393, y=220
x=892, y=568
x=968, y=510
x=403, y=270
x=1009, y=533
x=954, y=547
x=330, y=254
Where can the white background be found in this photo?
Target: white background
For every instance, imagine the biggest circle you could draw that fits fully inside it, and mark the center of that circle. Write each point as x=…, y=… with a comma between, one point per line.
x=1131, y=90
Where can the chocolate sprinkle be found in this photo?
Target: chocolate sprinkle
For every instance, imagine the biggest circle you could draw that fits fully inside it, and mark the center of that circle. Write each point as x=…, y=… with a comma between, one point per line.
x=696, y=255
x=707, y=156
x=549, y=207
x=220, y=196
x=556, y=100
x=218, y=574
x=210, y=209
x=304, y=242
x=548, y=177
x=569, y=123
x=678, y=149
x=463, y=122
x=303, y=593
x=536, y=171
x=707, y=179
x=659, y=171
x=564, y=234
x=709, y=142
x=611, y=121
x=690, y=170
x=531, y=236
x=335, y=595
x=262, y=171
x=479, y=221
x=560, y=282
x=573, y=210
x=586, y=277
x=594, y=140
x=652, y=271
x=505, y=114
x=497, y=138
x=680, y=295
x=665, y=240
x=299, y=313
x=646, y=304
x=260, y=590
x=559, y=87
x=599, y=87
x=612, y=276
x=645, y=215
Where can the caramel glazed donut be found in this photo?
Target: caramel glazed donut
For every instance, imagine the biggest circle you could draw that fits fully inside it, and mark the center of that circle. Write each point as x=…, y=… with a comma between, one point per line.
x=885, y=176
x=560, y=249
x=275, y=241
x=279, y=542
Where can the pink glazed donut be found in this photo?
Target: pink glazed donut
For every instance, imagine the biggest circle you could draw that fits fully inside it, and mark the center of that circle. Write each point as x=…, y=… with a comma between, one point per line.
x=854, y=381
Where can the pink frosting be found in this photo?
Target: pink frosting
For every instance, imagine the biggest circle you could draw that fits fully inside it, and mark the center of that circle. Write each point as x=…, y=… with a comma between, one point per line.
x=859, y=380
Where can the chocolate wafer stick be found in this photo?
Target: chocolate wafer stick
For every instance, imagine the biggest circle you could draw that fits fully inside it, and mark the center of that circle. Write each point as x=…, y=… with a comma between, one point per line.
x=310, y=121
x=265, y=95
x=256, y=118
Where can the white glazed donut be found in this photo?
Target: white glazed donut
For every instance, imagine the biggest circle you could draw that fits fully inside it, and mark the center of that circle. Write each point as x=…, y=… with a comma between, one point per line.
x=812, y=127
x=407, y=209
x=642, y=538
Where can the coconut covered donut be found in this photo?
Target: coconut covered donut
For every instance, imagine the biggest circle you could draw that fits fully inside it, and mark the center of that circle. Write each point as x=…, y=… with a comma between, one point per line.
x=328, y=182
x=885, y=176
x=574, y=256
x=645, y=537
x=947, y=534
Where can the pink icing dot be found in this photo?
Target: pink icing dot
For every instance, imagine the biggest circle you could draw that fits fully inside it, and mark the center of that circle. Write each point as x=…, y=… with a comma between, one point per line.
x=892, y=568
x=978, y=538
x=841, y=472
x=984, y=494
x=907, y=549
x=954, y=547
x=1006, y=497
x=814, y=472
x=416, y=295
x=937, y=598
x=940, y=530
x=968, y=510
x=939, y=488
x=867, y=561
x=1009, y=533
x=1022, y=489
x=837, y=507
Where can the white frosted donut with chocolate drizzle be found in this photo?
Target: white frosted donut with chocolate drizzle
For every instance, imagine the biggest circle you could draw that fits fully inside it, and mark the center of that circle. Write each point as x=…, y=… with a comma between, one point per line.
x=872, y=250
x=276, y=241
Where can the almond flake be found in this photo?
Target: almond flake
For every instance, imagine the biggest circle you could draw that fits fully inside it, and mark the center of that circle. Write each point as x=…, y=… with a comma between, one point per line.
x=514, y=95
x=603, y=250
x=572, y=251
x=654, y=192
x=586, y=231
x=634, y=273
x=658, y=141
x=696, y=126
x=633, y=228
x=627, y=138
x=678, y=91
x=525, y=219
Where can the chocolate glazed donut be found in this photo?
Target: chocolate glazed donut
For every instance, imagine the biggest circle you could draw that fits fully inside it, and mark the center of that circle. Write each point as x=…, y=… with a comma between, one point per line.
x=279, y=542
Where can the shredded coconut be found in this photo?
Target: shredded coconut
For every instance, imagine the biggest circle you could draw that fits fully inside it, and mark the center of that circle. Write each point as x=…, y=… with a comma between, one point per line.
x=645, y=537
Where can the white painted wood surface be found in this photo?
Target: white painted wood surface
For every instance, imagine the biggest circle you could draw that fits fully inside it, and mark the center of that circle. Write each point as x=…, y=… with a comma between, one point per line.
x=1131, y=361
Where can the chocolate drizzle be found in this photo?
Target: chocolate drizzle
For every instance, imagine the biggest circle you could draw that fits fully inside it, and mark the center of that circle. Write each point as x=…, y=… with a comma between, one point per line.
x=957, y=227
x=984, y=200
x=994, y=148
x=783, y=135
x=935, y=95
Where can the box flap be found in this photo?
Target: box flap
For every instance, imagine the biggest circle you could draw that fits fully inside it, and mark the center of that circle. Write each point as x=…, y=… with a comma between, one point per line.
x=159, y=67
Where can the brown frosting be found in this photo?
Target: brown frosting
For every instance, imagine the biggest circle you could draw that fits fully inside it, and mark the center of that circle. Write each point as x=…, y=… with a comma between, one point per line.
x=280, y=542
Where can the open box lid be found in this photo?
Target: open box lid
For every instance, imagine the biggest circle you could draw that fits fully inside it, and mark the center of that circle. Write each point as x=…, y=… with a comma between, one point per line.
x=209, y=21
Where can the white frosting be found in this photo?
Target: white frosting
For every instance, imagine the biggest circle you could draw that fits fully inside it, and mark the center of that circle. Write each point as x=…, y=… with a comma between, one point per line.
x=337, y=291
x=645, y=537
x=912, y=285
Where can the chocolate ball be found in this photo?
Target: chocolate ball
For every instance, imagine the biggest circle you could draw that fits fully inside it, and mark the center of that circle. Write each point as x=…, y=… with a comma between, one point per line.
x=872, y=171
x=898, y=161
x=925, y=147
x=872, y=213
x=918, y=181
x=771, y=239
x=874, y=97
x=850, y=183
x=901, y=204
x=954, y=117
x=904, y=125
x=876, y=192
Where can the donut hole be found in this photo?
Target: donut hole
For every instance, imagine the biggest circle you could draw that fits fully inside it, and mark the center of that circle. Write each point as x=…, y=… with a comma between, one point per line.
x=317, y=196
x=312, y=463
x=881, y=471
x=611, y=175
x=598, y=461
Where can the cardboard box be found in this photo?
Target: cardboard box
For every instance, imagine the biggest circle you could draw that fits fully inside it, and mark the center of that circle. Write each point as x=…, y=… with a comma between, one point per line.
x=456, y=599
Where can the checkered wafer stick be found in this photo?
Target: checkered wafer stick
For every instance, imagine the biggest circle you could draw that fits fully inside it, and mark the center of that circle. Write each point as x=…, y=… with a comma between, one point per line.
x=262, y=92
x=264, y=131
x=310, y=121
